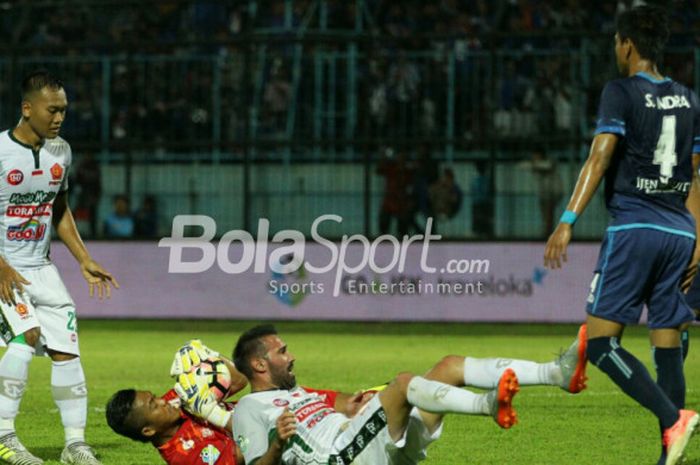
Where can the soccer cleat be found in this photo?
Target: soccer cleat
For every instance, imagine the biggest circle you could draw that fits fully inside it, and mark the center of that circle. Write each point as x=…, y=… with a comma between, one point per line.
x=13, y=452
x=677, y=436
x=79, y=453
x=572, y=364
x=501, y=399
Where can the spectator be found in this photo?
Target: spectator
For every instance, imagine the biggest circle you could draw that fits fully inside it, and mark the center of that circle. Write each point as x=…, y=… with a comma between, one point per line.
x=88, y=184
x=119, y=224
x=445, y=197
x=426, y=176
x=398, y=193
x=277, y=97
x=482, y=201
x=146, y=219
x=550, y=189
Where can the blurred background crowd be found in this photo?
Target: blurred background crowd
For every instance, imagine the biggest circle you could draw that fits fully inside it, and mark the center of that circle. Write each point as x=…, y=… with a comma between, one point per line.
x=495, y=98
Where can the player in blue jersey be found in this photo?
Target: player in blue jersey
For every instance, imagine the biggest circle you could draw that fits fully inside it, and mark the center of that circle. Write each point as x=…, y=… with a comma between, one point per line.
x=647, y=146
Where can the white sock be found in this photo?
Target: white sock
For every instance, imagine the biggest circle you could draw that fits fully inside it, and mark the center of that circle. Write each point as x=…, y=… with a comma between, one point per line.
x=485, y=372
x=14, y=368
x=436, y=397
x=70, y=394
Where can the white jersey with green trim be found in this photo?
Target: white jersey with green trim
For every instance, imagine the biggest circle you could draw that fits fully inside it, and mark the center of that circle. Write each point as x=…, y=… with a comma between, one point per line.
x=29, y=182
x=254, y=424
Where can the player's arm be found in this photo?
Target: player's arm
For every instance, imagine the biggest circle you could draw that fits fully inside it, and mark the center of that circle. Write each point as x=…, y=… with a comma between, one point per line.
x=97, y=277
x=286, y=428
x=238, y=380
x=599, y=158
x=260, y=441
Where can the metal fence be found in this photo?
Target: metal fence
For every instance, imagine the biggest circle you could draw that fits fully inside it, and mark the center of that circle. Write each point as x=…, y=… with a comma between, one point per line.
x=291, y=129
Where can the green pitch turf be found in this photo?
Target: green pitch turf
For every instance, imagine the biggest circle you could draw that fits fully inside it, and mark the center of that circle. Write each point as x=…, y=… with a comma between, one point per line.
x=599, y=426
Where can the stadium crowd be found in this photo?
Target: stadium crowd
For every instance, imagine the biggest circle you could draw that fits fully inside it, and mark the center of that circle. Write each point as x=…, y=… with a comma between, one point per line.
x=400, y=92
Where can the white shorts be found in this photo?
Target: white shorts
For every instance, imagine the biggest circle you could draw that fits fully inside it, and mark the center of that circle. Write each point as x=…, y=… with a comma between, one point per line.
x=366, y=441
x=418, y=438
x=46, y=304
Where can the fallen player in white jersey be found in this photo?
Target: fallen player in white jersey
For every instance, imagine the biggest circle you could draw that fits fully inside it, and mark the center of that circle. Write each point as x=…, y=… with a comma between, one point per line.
x=284, y=409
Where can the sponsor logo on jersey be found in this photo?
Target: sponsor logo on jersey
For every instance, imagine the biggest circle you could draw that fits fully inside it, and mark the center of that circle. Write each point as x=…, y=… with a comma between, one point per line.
x=207, y=433
x=308, y=410
x=29, y=211
x=280, y=402
x=22, y=310
x=210, y=455
x=318, y=417
x=31, y=230
x=56, y=172
x=243, y=443
x=186, y=444
x=32, y=197
x=37, y=172
x=15, y=177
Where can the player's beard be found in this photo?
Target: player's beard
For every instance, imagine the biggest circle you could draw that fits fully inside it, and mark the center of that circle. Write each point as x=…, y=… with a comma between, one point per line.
x=283, y=378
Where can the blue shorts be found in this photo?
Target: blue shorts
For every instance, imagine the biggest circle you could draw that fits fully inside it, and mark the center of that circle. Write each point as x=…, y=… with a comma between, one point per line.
x=641, y=266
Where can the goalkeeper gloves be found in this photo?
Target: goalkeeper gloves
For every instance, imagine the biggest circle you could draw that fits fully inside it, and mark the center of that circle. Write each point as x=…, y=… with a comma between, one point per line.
x=200, y=401
x=189, y=356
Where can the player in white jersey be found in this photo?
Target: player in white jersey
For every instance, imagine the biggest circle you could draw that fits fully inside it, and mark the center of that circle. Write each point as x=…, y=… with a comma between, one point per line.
x=38, y=314
x=280, y=423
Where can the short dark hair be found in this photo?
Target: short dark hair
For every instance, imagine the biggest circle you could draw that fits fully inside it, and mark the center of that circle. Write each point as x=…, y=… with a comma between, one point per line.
x=249, y=345
x=647, y=27
x=118, y=410
x=37, y=80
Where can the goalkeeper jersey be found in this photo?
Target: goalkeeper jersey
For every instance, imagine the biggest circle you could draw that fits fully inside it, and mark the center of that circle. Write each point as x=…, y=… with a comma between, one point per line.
x=197, y=442
x=29, y=183
x=255, y=417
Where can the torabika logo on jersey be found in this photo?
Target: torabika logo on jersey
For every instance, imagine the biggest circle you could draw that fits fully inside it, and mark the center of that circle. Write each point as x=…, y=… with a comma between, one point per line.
x=31, y=230
x=15, y=177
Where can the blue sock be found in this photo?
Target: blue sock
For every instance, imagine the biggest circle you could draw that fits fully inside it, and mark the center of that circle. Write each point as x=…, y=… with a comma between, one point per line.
x=671, y=380
x=632, y=377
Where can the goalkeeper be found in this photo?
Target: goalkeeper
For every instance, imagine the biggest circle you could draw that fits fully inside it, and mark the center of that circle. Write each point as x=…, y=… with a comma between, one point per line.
x=181, y=437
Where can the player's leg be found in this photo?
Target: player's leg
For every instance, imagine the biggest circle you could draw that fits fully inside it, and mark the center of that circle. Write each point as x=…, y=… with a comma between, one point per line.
x=56, y=312
x=628, y=270
x=669, y=317
x=568, y=371
x=439, y=398
x=459, y=371
x=20, y=329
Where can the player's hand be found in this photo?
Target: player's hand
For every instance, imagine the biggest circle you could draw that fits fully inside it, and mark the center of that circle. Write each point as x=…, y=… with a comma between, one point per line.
x=11, y=283
x=555, y=251
x=689, y=275
x=357, y=401
x=691, y=271
x=190, y=356
x=98, y=278
x=199, y=400
x=286, y=426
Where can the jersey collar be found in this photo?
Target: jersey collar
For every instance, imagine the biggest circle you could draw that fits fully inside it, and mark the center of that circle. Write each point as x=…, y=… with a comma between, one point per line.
x=648, y=77
x=17, y=141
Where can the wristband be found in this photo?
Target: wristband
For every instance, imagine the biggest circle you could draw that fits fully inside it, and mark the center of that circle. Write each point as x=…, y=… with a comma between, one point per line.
x=568, y=217
x=219, y=417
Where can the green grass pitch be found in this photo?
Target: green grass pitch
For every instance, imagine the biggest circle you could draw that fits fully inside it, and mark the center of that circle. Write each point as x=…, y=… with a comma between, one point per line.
x=600, y=425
